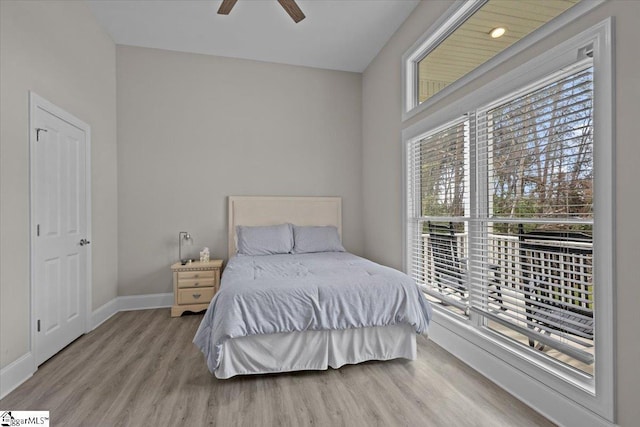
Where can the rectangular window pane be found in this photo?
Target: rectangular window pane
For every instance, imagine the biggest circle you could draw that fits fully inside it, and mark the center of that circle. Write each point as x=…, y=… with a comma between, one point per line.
x=471, y=44
x=542, y=151
x=537, y=288
x=438, y=199
x=442, y=172
x=533, y=245
x=443, y=267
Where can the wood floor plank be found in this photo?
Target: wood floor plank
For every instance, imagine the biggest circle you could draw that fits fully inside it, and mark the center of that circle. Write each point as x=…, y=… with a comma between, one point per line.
x=140, y=368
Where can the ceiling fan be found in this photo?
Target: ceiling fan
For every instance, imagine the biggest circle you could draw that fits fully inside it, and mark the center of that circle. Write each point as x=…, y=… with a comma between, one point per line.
x=289, y=6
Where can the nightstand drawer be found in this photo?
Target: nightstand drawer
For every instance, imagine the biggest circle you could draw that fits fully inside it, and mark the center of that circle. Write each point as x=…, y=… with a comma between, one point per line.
x=182, y=275
x=195, y=296
x=196, y=283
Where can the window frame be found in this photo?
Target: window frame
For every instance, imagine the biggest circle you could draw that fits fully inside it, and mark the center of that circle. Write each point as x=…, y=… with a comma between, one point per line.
x=468, y=180
x=595, y=395
x=581, y=379
x=457, y=14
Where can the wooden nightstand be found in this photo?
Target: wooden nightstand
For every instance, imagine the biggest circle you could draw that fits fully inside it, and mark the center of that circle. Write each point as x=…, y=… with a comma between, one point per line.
x=194, y=285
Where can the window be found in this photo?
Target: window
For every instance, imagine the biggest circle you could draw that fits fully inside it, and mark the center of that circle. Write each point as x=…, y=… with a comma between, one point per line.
x=534, y=233
x=493, y=27
x=439, y=197
x=508, y=216
x=475, y=36
x=522, y=255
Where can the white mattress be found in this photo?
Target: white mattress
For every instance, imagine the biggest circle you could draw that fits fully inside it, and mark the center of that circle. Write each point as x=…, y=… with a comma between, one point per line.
x=314, y=350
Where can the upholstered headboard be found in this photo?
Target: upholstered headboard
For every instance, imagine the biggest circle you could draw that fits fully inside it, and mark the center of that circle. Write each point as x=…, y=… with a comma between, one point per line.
x=266, y=210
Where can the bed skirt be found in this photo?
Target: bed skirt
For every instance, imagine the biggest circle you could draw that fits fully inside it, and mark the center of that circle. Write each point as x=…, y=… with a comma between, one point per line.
x=314, y=350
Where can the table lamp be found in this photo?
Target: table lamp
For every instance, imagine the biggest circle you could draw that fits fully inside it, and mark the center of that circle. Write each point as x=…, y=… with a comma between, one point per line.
x=185, y=237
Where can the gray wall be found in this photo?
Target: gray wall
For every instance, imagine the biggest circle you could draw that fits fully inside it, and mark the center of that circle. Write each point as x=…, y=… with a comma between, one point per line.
x=57, y=50
x=382, y=163
x=194, y=129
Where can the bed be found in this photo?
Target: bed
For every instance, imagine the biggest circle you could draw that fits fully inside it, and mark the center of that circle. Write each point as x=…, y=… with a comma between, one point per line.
x=307, y=310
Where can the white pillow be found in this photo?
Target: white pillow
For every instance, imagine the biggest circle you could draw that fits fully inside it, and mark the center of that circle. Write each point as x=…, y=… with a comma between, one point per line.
x=265, y=240
x=310, y=239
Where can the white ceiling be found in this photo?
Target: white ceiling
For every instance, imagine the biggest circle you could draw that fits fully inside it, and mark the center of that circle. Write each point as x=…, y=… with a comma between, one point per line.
x=336, y=34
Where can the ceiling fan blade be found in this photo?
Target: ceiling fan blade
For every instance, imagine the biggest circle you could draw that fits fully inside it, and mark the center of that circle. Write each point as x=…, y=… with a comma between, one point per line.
x=226, y=7
x=292, y=9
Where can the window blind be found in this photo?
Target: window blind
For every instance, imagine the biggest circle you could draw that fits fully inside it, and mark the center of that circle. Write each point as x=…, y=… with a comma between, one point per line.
x=438, y=183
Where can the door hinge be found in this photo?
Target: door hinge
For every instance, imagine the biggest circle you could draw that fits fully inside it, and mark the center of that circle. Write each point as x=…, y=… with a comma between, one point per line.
x=38, y=230
x=38, y=130
x=38, y=325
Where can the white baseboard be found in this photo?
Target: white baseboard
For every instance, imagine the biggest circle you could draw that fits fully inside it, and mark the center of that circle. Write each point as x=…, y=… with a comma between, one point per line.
x=144, y=302
x=102, y=314
x=20, y=370
x=548, y=402
x=128, y=303
x=15, y=373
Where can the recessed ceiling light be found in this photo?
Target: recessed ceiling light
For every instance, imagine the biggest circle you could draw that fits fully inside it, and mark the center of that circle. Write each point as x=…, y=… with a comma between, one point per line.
x=497, y=32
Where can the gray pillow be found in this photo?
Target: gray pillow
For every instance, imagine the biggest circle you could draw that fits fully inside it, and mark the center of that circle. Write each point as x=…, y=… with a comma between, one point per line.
x=265, y=240
x=316, y=239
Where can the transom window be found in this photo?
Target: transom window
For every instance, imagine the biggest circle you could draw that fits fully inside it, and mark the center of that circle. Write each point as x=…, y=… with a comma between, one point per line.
x=471, y=40
x=493, y=27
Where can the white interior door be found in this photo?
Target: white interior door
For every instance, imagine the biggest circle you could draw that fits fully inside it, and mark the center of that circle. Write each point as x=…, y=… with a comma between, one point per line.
x=59, y=255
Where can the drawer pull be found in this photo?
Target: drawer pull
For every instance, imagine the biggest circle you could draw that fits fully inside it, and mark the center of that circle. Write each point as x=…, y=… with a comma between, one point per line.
x=196, y=284
x=196, y=276
x=196, y=296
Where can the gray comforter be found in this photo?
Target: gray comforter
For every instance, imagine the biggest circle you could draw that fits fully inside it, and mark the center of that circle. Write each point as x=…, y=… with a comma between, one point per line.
x=284, y=293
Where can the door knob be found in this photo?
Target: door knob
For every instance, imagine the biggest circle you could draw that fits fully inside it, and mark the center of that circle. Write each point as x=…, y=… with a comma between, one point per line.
x=84, y=242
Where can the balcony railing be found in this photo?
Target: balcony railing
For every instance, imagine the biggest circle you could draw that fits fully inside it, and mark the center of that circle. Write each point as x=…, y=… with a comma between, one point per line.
x=540, y=285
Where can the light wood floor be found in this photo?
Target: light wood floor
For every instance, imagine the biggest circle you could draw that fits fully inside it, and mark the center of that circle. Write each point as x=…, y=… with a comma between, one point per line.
x=140, y=369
